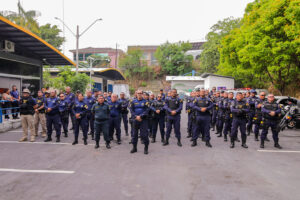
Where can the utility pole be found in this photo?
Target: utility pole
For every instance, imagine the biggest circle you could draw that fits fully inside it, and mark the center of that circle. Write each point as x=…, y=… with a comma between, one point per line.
x=77, y=48
x=116, y=61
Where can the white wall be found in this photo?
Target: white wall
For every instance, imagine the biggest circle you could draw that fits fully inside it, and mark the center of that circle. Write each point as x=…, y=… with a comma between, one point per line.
x=215, y=81
x=118, y=88
x=185, y=86
x=9, y=82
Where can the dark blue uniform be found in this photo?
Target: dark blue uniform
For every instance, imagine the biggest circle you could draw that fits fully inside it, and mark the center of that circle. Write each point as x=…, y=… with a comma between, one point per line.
x=202, y=121
x=158, y=119
x=71, y=100
x=270, y=121
x=80, y=107
x=251, y=101
x=257, y=119
x=64, y=115
x=139, y=108
x=52, y=117
x=90, y=101
x=124, y=113
x=173, y=103
x=239, y=111
x=101, y=122
x=214, y=111
x=220, y=116
x=115, y=120
x=227, y=117
x=188, y=108
x=15, y=94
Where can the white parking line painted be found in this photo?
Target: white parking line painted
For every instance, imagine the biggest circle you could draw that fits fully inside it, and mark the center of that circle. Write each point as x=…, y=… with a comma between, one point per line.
x=54, y=143
x=277, y=151
x=37, y=171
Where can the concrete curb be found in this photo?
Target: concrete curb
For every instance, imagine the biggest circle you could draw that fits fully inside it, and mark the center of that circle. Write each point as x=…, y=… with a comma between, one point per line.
x=10, y=125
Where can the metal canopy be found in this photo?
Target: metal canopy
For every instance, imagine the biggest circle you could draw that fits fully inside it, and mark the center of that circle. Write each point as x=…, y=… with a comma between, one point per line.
x=30, y=42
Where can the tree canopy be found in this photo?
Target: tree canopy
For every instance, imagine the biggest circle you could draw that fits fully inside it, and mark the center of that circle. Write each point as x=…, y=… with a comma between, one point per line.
x=266, y=48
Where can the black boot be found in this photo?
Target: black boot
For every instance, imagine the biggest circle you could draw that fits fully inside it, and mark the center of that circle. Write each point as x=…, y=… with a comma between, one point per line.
x=58, y=138
x=237, y=139
x=126, y=133
x=194, y=143
x=107, y=145
x=256, y=138
x=75, y=142
x=244, y=139
x=189, y=135
x=146, y=149
x=153, y=140
x=267, y=139
x=93, y=136
x=166, y=142
x=48, y=139
x=232, y=142
x=225, y=138
x=248, y=132
x=134, y=149
x=208, y=144
x=262, y=144
x=97, y=144
x=119, y=142
x=162, y=140
x=66, y=134
x=179, y=143
x=213, y=127
x=85, y=141
x=276, y=145
x=220, y=134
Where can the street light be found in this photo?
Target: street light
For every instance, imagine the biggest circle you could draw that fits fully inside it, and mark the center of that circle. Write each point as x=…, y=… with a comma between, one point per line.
x=77, y=36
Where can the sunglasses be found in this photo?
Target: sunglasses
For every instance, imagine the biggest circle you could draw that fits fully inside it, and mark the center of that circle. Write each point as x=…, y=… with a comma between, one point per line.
x=263, y=95
x=139, y=93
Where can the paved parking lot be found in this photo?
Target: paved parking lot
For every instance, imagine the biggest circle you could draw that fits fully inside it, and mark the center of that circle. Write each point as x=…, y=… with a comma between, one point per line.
x=40, y=171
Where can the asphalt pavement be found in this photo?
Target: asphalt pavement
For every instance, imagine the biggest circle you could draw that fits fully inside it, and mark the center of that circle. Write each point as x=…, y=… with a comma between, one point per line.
x=46, y=171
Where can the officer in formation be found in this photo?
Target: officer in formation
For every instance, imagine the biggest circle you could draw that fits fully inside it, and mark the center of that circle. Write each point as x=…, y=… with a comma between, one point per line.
x=201, y=121
x=257, y=119
x=251, y=101
x=101, y=113
x=39, y=116
x=124, y=111
x=239, y=109
x=90, y=101
x=188, y=108
x=139, y=109
x=64, y=108
x=27, y=107
x=271, y=114
x=115, y=118
x=52, y=116
x=173, y=107
x=227, y=115
x=70, y=97
x=158, y=118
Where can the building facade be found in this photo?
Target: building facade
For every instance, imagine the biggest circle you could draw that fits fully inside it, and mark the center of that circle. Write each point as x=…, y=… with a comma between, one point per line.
x=110, y=53
x=148, y=53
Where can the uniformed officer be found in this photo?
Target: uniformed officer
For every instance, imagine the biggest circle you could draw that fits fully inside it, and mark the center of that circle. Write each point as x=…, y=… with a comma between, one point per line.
x=79, y=111
x=188, y=108
x=215, y=109
x=228, y=115
x=163, y=96
x=70, y=97
x=173, y=107
x=258, y=114
x=63, y=108
x=239, y=109
x=39, y=116
x=201, y=106
x=90, y=101
x=15, y=103
x=124, y=111
x=158, y=118
x=101, y=112
x=52, y=116
x=27, y=106
x=271, y=113
x=221, y=113
x=251, y=101
x=139, y=110
x=151, y=114
x=115, y=118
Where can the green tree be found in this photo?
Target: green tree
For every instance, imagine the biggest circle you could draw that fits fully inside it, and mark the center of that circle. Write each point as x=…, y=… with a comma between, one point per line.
x=51, y=35
x=26, y=19
x=173, y=59
x=210, y=57
x=266, y=49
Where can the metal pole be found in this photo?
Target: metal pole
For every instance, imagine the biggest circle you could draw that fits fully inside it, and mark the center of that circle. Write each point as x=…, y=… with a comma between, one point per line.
x=116, y=61
x=63, y=7
x=91, y=64
x=77, y=46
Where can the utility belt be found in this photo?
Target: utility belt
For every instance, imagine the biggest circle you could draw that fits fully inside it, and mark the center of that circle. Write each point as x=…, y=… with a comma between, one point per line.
x=101, y=120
